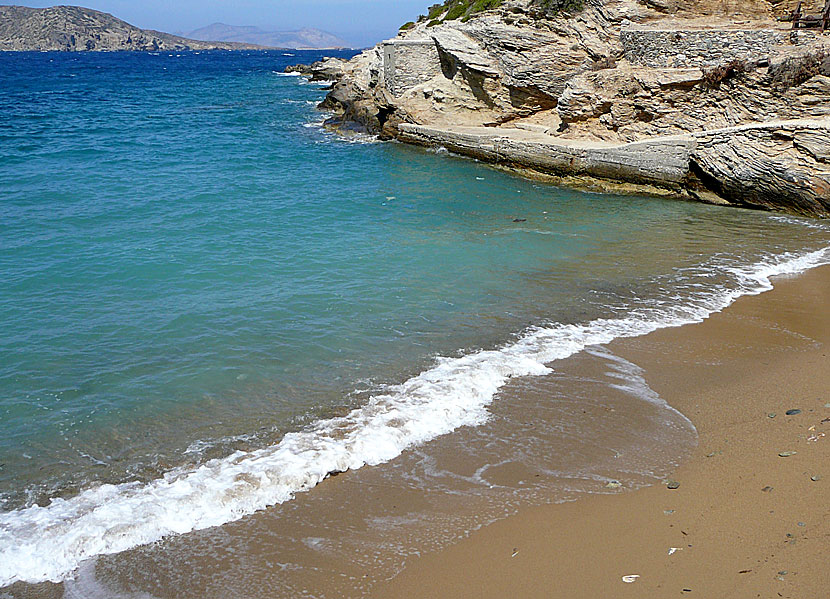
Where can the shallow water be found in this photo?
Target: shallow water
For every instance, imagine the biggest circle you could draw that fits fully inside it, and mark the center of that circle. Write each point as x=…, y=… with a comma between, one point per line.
x=210, y=303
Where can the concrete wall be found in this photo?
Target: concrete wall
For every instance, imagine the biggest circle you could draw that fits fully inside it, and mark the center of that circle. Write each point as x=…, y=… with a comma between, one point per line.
x=407, y=63
x=658, y=48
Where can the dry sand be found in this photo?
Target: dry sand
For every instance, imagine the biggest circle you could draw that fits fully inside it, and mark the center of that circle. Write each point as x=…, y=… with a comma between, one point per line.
x=744, y=522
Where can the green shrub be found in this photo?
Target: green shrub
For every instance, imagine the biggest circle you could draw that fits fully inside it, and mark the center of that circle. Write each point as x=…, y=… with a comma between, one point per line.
x=456, y=12
x=407, y=26
x=460, y=9
x=557, y=6
x=436, y=10
x=480, y=5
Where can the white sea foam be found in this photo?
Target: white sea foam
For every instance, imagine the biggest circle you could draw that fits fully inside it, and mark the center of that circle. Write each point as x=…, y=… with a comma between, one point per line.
x=50, y=543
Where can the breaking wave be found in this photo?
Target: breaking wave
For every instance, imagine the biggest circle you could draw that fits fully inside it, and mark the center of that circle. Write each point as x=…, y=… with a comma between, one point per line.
x=49, y=543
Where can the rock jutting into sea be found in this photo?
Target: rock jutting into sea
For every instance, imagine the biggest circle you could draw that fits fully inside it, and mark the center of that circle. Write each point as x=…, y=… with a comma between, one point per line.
x=687, y=99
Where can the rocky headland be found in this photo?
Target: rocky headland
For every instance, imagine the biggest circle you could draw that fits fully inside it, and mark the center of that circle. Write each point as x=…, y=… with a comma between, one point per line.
x=76, y=29
x=716, y=101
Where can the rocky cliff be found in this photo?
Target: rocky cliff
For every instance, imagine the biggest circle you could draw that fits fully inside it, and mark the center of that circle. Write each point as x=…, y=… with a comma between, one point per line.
x=552, y=85
x=73, y=29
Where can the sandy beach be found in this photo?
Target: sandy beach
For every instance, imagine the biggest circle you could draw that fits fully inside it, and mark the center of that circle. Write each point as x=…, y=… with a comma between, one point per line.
x=751, y=516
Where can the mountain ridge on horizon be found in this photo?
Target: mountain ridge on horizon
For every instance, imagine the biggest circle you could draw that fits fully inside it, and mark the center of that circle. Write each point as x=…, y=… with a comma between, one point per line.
x=79, y=29
x=307, y=38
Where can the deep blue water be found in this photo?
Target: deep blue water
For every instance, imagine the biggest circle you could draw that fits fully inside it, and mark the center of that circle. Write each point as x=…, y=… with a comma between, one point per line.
x=190, y=265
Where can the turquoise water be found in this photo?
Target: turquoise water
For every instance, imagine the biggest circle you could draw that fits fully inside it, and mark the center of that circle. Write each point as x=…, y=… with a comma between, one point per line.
x=191, y=267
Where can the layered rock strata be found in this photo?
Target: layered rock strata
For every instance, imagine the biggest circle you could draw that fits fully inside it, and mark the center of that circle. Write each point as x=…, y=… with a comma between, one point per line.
x=682, y=96
x=782, y=166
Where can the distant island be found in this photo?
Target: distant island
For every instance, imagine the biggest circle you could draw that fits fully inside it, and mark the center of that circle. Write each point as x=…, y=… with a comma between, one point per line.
x=302, y=39
x=77, y=29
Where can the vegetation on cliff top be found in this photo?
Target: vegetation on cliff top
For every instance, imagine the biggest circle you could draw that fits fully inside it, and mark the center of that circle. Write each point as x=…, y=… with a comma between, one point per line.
x=451, y=10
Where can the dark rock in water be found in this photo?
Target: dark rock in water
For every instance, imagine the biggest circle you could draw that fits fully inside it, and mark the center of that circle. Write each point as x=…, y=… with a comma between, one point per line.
x=673, y=484
x=519, y=220
x=793, y=412
x=328, y=69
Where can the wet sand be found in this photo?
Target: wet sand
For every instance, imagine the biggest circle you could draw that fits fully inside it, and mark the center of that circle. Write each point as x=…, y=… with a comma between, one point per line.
x=555, y=439
x=744, y=522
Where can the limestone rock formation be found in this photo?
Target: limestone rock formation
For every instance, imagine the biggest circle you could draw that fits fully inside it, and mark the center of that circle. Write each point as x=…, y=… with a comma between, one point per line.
x=786, y=167
x=553, y=91
x=74, y=29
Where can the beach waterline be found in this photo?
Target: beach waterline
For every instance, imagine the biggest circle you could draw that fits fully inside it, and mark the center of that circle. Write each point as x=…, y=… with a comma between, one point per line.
x=317, y=327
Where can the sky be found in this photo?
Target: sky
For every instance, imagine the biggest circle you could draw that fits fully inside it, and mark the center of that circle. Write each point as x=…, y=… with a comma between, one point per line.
x=361, y=22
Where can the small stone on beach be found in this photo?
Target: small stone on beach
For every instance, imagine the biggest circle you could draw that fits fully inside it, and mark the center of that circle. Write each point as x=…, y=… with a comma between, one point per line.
x=630, y=578
x=815, y=478
x=614, y=484
x=673, y=484
x=786, y=454
x=772, y=415
x=767, y=489
x=793, y=412
x=802, y=524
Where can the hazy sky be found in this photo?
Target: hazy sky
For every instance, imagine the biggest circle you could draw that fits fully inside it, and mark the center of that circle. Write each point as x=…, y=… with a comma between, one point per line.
x=362, y=22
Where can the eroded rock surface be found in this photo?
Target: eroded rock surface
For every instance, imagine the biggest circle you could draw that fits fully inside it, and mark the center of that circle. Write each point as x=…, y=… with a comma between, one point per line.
x=785, y=167
x=634, y=76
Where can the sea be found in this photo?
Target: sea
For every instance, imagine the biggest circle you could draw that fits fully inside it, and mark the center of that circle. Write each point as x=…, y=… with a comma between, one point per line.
x=242, y=355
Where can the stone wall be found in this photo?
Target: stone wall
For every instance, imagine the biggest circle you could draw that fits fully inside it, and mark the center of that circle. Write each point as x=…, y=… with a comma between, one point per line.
x=658, y=48
x=407, y=63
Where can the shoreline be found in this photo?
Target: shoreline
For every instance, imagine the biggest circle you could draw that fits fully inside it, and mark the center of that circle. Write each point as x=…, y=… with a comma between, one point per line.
x=687, y=166
x=743, y=522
